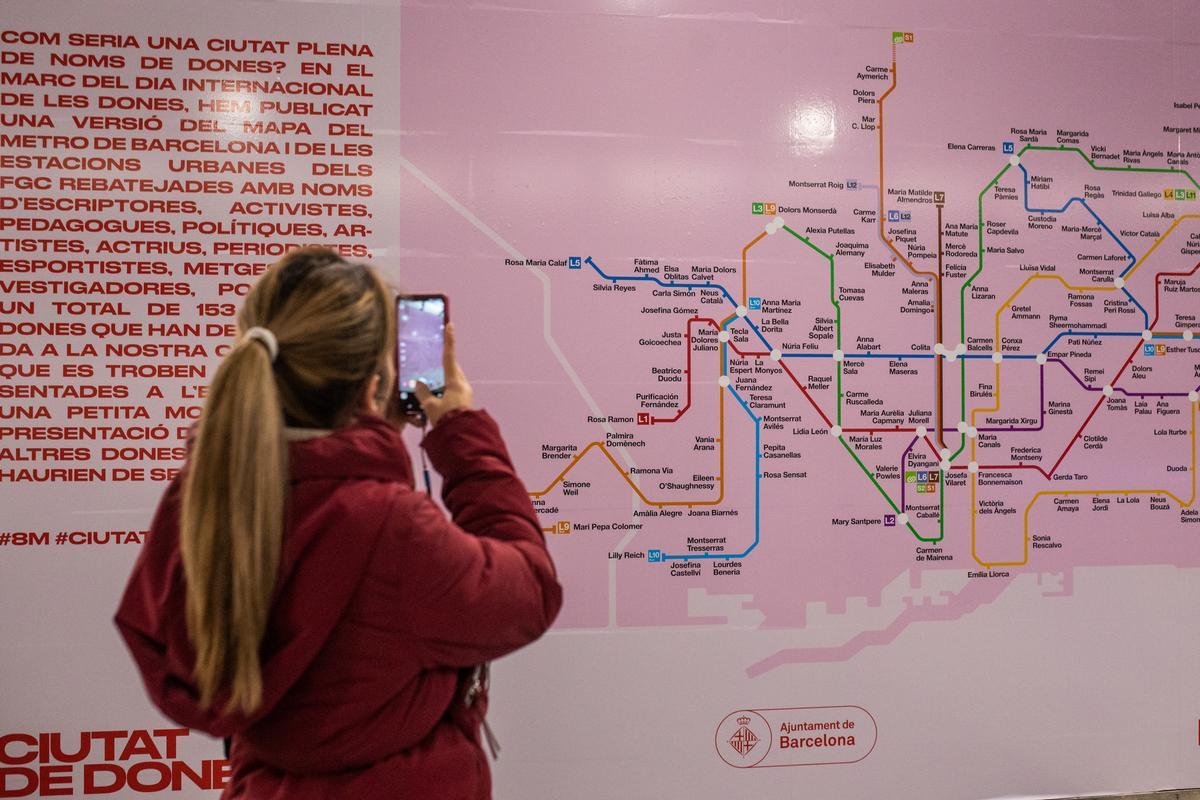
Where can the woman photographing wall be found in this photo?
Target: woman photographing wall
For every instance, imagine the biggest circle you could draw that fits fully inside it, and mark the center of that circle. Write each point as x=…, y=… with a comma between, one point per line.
x=298, y=594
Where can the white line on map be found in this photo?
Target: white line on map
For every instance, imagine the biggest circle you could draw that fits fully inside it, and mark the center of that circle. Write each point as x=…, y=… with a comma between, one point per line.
x=466, y=213
x=503, y=244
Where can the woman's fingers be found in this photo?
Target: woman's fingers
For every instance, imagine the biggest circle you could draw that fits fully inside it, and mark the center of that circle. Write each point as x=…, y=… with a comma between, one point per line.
x=449, y=361
x=422, y=392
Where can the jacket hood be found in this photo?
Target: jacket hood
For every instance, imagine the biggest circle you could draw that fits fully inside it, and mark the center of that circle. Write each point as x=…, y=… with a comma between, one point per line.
x=365, y=449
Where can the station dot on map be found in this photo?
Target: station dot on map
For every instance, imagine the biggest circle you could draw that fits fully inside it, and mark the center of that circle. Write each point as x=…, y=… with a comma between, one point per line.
x=973, y=466
x=1108, y=390
x=1014, y=159
x=921, y=431
x=836, y=430
x=838, y=355
x=944, y=452
x=962, y=426
x=972, y=432
x=997, y=357
x=769, y=228
x=1119, y=282
x=776, y=354
x=723, y=336
x=960, y=348
x=741, y=311
x=944, y=464
x=723, y=381
x=1188, y=335
x=1147, y=335
x=1193, y=396
x=1041, y=358
x=939, y=348
x=951, y=356
x=902, y=519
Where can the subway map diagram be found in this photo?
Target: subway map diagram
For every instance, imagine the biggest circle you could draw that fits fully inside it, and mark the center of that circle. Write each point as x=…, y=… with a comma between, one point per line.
x=897, y=391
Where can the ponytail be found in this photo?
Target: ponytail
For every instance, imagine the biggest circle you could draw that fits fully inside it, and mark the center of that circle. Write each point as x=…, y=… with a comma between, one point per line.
x=328, y=329
x=232, y=525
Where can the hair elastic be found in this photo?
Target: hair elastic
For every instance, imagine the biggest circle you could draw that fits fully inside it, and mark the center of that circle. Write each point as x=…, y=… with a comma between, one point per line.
x=267, y=338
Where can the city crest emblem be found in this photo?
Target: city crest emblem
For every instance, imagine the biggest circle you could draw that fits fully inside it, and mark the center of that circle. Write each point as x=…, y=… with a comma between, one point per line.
x=743, y=739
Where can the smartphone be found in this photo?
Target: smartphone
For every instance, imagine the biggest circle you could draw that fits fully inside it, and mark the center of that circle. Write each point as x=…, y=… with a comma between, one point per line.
x=420, y=343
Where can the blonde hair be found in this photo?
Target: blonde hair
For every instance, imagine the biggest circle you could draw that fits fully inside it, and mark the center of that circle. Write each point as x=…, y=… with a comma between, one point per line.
x=334, y=325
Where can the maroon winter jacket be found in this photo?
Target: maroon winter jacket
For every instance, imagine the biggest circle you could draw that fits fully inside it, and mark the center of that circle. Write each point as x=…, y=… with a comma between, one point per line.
x=382, y=608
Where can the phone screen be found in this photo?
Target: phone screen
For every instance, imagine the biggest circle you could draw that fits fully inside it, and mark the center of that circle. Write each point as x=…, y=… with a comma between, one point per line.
x=420, y=330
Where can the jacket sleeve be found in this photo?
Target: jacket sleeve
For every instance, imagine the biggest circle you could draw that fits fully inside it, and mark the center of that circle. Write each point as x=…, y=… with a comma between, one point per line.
x=481, y=584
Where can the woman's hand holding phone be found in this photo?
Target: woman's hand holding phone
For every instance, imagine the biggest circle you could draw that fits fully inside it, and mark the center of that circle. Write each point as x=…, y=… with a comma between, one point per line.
x=457, y=394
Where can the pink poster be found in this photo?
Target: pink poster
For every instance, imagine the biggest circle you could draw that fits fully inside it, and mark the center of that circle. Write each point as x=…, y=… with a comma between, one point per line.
x=847, y=352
